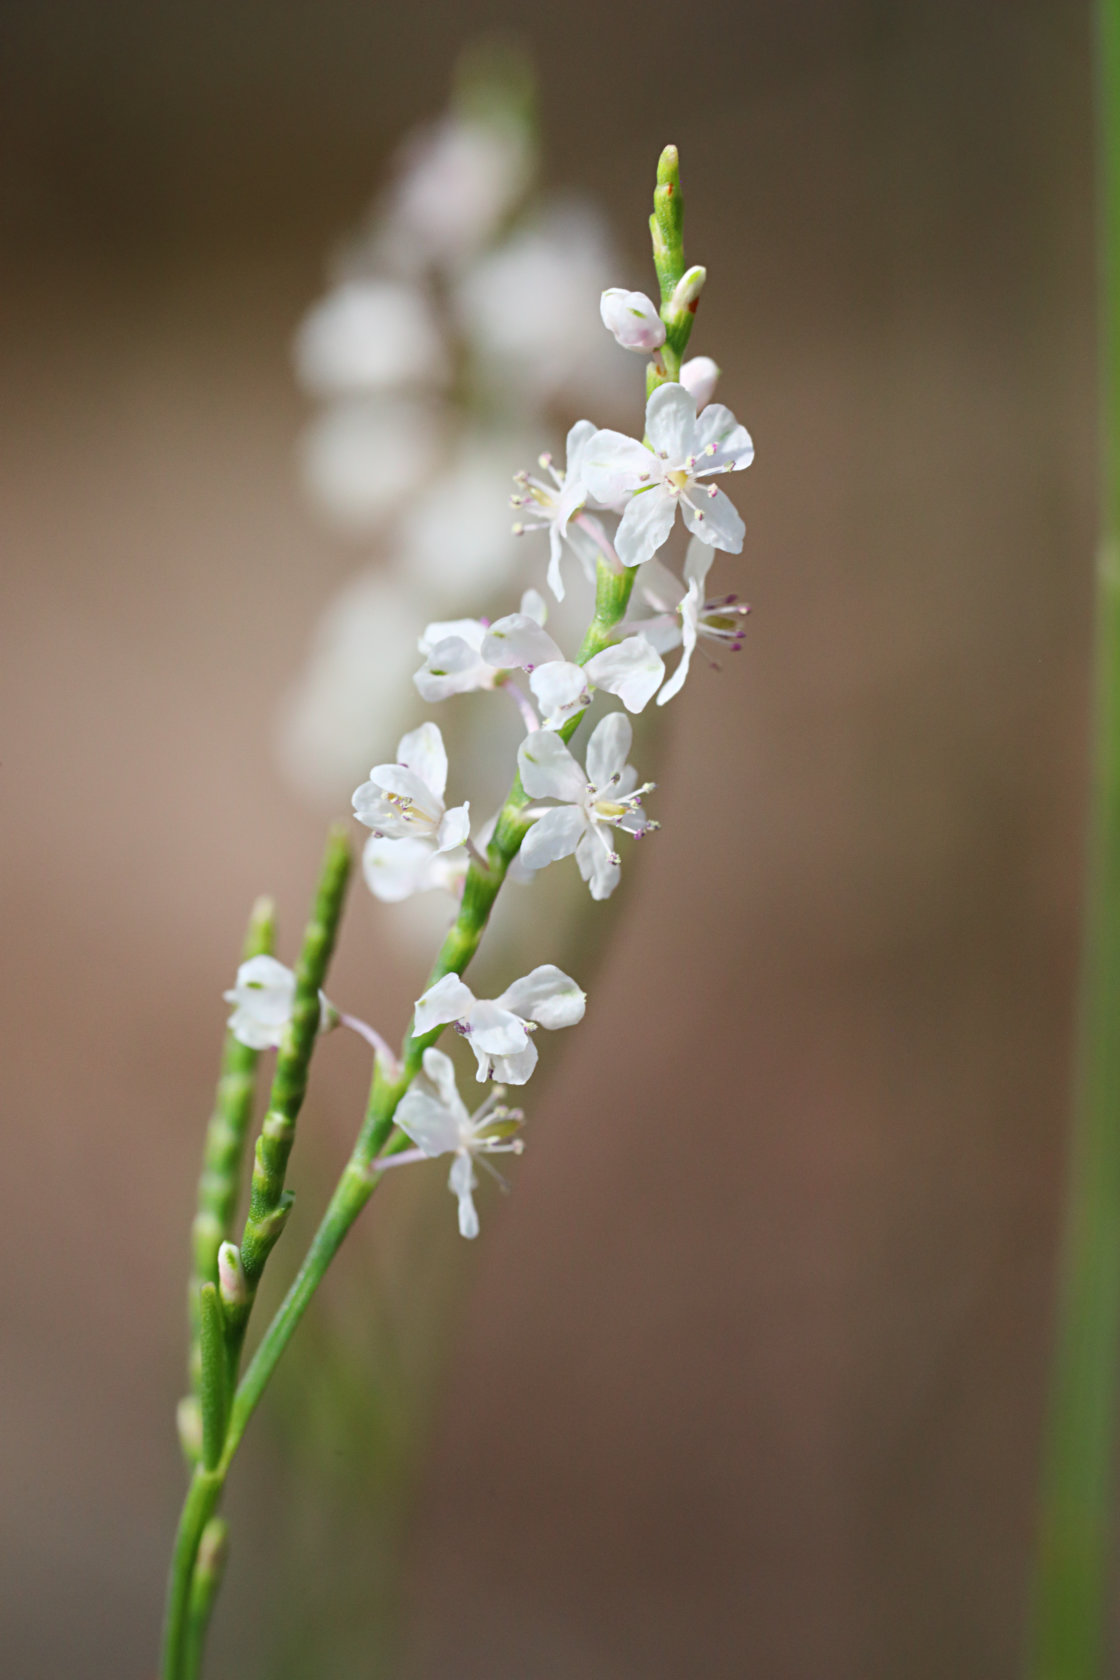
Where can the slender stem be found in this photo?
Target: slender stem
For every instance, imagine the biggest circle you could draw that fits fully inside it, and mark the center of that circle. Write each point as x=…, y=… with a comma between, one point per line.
x=1073, y=1570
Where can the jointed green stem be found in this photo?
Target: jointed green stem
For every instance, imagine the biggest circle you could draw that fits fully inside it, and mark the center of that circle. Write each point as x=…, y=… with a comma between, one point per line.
x=1074, y=1564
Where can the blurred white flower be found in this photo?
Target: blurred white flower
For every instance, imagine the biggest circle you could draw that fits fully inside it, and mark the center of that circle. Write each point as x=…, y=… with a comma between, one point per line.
x=398, y=869
x=363, y=455
x=457, y=180
x=354, y=688
x=369, y=335
x=453, y=540
x=498, y=1029
x=653, y=482
x=404, y=801
x=590, y=805
x=633, y=319
x=529, y=308
x=262, y=1003
x=434, y=1116
x=699, y=376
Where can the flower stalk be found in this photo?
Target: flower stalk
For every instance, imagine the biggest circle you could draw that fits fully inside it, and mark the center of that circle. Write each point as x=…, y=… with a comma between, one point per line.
x=1074, y=1563
x=403, y=805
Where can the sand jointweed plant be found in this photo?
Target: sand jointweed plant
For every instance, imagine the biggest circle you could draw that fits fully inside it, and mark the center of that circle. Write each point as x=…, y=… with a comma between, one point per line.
x=610, y=511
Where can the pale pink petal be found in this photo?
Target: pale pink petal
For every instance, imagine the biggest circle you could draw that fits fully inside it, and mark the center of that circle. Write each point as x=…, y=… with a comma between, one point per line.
x=698, y=376
x=614, y=466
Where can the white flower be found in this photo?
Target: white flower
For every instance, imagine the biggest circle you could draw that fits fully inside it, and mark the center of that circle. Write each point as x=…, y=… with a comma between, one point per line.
x=552, y=508
x=633, y=319
x=363, y=455
x=398, y=869
x=369, y=335
x=631, y=669
x=653, y=482
x=453, y=658
x=685, y=614
x=699, y=376
x=498, y=1029
x=262, y=1004
x=590, y=805
x=404, y=801
x=434, y=1116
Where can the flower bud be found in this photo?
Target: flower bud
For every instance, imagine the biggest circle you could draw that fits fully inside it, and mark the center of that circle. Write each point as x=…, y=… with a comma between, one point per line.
x=188, y=1418
x=699, y=376
x=687, y=290
x=632, y=318
x=231, y=1276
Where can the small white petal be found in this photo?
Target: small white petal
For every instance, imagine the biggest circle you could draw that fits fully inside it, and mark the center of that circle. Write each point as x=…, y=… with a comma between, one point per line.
x=608, y=747
x=548, y=996
x=717, y=425
x=553, y=836
x=697, y=562
x=395, y=869
x=518, y=640
x=440, y=1070
x=461, y=1180
x=671, y=423
x=548, y=770
x=452, y=667
x=423, y=751
x=518, y=1068
x=632, y=318
x=614, y=466
x=598, y=865
x=562, y=690
x=632, y=669
x=455, y=828
x=534, y=606
x=721, y=526
x=368, y=335
x=698, y=376
x=497, y=1031
x=427, y=1122
x=450, y=999
x=646, y=523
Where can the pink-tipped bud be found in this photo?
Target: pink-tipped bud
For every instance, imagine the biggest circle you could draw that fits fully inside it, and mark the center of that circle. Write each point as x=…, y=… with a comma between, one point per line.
x=633, y=320
x=699, y=376
x=232, y=1286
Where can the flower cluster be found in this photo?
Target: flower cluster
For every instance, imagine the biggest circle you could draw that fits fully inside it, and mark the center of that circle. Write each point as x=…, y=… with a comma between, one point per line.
x=612, y=507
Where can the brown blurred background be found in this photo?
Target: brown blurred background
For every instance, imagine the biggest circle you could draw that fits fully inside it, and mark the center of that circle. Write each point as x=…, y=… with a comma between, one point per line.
x=750, y=1378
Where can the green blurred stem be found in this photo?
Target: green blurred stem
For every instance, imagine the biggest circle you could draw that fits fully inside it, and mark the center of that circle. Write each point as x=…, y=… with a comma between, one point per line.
x=1074, y=1563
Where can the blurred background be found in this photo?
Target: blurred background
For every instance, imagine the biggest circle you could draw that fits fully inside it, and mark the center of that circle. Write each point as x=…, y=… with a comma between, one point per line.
x=746, y=1377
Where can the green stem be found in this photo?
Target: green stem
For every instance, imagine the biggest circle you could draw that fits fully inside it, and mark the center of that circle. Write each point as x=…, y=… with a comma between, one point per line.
x=208, y=1571
x=224, y=1148
x=1073, y=1569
